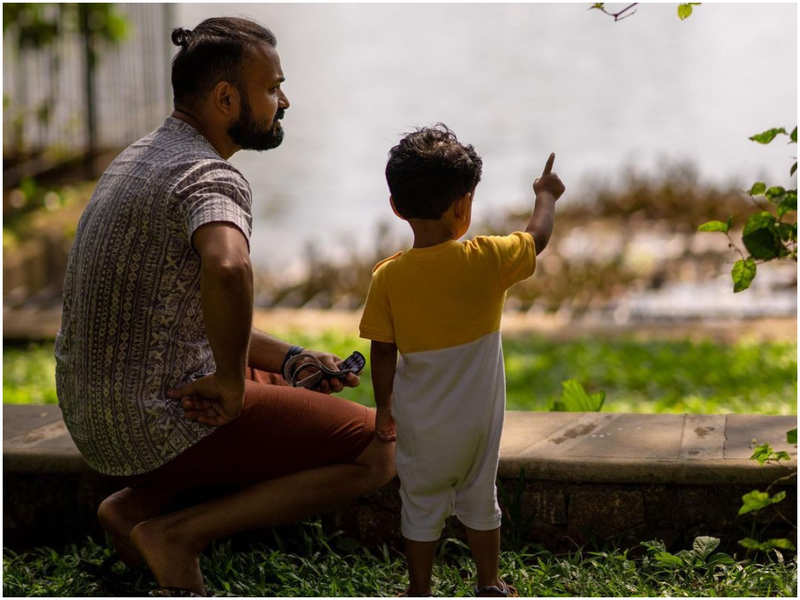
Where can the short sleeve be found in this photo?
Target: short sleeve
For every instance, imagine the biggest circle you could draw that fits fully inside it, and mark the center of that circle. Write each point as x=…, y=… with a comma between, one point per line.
x=515, y=255
x=376, y=320
x=214, y=191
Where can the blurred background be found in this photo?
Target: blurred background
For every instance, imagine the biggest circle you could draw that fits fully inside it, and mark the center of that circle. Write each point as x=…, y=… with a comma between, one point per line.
x=649, y=118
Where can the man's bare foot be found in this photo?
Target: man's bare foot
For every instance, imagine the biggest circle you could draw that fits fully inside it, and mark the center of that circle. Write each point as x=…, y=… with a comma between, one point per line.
x=174, y=563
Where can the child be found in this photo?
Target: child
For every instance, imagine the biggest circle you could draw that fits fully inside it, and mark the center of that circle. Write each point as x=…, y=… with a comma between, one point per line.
x=440, y=304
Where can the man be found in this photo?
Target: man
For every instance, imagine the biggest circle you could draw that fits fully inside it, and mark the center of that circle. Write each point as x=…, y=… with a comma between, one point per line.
x=161, y=378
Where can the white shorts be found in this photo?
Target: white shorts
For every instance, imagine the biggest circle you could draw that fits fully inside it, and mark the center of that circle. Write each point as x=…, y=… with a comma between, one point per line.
x=445, y=472
x=449, y=406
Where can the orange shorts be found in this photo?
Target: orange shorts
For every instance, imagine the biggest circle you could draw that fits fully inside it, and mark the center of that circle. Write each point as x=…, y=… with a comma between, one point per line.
x=281, y=430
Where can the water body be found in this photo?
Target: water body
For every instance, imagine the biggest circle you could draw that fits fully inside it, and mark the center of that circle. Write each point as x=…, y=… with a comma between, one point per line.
x=517, y=81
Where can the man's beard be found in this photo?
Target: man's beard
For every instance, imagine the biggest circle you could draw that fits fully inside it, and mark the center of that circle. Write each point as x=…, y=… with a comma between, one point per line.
x=246, y=134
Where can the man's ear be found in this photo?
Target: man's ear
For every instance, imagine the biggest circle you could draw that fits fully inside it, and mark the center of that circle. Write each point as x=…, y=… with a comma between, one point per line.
x=394, y=208
x=226, y=98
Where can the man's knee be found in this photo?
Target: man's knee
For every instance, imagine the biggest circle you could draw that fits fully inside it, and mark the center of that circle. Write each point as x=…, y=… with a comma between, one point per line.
x=120, y=510
x=379, y=459
x=109, y=512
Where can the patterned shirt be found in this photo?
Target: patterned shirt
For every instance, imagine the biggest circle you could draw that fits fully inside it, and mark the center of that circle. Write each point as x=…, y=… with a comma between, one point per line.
x=132, y=322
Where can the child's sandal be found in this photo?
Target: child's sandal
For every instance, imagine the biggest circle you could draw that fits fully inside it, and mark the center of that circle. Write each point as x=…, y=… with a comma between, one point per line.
x=173, y=592
x=504, y=590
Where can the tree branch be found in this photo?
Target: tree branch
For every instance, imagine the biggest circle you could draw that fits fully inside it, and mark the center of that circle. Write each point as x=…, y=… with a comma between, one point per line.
x=788, y=477
x=618, y=16
x=731, y=244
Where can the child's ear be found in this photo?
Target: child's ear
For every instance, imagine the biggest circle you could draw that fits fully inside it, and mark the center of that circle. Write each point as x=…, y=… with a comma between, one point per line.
x=394, y=208
x=461, y=205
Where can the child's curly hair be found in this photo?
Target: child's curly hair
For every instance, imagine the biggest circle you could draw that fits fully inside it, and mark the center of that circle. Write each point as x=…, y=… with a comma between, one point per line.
x=428, y=170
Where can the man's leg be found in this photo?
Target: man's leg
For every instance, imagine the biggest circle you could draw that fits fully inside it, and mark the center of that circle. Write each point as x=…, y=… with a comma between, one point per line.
x=122, y=510
x=282, y=430
x=172, y=543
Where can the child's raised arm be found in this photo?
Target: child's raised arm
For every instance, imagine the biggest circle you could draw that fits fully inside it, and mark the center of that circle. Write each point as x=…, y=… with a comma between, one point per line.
x=547, y=188
x=383, y=358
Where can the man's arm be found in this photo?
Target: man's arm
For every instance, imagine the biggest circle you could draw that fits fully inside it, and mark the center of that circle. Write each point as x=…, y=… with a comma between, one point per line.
x=226, y=291
x=383, y=357
x=266, y=352
x=548, y=188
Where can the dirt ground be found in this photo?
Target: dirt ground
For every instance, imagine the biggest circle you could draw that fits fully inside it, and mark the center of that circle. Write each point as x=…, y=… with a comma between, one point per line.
x=774, y=329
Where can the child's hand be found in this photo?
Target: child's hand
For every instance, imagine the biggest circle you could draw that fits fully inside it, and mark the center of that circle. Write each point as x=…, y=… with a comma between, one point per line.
x=384, y=425
x=549, y=182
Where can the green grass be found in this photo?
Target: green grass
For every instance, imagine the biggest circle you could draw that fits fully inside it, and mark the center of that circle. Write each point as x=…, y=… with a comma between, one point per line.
x=656, y=376
x=653, y=376
x=29, y=374
x=306, y=562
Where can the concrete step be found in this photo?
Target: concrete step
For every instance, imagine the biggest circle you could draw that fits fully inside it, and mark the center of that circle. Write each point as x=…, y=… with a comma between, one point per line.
x=569, y=476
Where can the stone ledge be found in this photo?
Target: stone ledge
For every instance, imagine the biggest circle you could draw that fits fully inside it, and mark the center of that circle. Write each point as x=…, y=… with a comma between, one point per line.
x=579, y=447
x=563, y=478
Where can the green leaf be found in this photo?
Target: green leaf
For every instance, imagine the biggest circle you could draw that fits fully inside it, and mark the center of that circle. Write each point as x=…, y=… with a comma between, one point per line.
x=720, y=558
x=575, y=399
x=116, y=28
x=597, y=5
x=686, y=555
x=791, y=436
x=760, y=236
x=765, y=137
x=766, y=546
x=764, y=453
x=742, y=274
x=793, y=135
x=787, y=203
x=787, y=231
x=751, y=544
x=714, y=226
x=761, y=453
x=781, y=543
x=685, y=10
x=794, y=167
x=775, y=191
x=665, y=559
x=759, y=187
x=29, y=187
x=704, y=545
x=756, y=500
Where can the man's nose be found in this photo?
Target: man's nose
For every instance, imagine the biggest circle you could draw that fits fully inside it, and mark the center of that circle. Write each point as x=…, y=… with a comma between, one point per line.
x=283, y=101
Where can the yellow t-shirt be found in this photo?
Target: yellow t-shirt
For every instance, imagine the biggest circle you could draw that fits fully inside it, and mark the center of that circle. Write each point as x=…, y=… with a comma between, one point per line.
x=445, y=295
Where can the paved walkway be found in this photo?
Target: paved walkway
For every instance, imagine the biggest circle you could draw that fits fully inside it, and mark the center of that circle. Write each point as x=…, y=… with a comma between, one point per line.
x=578, y=447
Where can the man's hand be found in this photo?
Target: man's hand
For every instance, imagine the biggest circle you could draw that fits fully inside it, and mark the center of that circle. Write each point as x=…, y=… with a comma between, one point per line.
x=384, y=425
x=330, y=384
x=549, y=183
x=210, y=400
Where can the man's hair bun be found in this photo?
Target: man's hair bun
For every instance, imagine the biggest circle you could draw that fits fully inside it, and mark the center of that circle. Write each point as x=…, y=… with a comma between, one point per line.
x=181, y=36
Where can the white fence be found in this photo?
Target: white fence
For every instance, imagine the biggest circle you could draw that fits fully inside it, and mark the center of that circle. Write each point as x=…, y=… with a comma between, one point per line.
x=132, y=82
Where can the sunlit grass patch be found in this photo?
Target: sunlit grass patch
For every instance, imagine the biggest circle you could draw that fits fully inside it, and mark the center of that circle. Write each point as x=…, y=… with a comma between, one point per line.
x=654, y=376
x=29, y=374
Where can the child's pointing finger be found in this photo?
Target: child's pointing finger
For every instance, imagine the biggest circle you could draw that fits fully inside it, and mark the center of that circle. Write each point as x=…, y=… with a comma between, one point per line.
x=549, y=164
